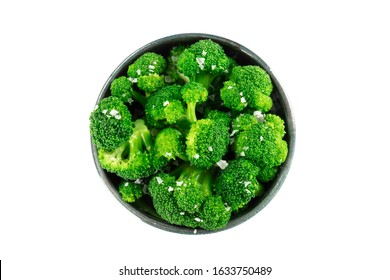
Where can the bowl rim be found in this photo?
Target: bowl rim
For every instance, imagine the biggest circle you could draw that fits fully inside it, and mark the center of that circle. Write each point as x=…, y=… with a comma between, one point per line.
x=289, y=120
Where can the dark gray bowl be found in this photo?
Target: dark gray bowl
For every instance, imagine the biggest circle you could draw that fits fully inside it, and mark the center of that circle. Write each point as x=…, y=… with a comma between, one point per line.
x=143, y=208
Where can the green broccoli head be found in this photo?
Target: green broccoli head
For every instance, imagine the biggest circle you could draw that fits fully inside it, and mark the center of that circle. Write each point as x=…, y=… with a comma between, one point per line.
x=232, y=96
x=150, y=83
x=237, y=183
x=175, y=111
x=122, y=88
x=222, y=117
x=193, y=94
x=243, y=122
x=155, y=114
x=110, y=123
x=147, y=71
x=193, y=185
x=203, y=61
x=133, y=159
x=185, y=198
x=250, y=86
x=161, y=189
x=169, y=143
x=214, y=214
x=207, y=142
x=263, y=145
x=130, y=191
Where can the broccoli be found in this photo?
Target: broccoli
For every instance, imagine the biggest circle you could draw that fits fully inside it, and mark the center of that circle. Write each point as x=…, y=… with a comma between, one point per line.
x=190, y=188
x=147, y=71
x=244, y=122
x=122, y=88
x=202, y=62
x=196, y=146
x=214, y=213
x=263, y=144
x=193, y=94
x=169, y=144
x=110, y=123
x=247, y=86
x=156, y=106
x=223, y=117
x=174, y=104
x=207, y=142
x=193, y=186
x=130, y=191
x=237, y=183
x=133, y=159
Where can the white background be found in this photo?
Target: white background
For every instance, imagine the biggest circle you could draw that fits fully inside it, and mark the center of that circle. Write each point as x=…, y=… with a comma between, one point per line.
x=330, y=219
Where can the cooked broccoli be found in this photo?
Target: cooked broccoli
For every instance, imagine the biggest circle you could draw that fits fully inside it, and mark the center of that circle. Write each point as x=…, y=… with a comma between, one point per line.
x=223, y=117
x=207, y=142
x=197, y=146
x=170, y=144
x=187, y=188
x=122, y=88
x=263, y=144
x=237, y=183
x=248, y=86
x=133, y=159
x=202, y=62
x=110, y=123
x=193, y=94
x=244, y=122
x=155, y=108
x=174, y=104
x=147, y=71
x=214, y=213
x=130, y=191
x=192, y=187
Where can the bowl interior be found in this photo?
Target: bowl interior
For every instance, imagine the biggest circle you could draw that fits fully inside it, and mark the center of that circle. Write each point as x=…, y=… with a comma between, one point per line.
x=243, y=56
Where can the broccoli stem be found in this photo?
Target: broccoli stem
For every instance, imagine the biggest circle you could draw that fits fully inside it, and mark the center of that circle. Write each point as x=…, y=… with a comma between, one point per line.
x=191, y=112
x=139, y=97
x=140, y=138
x=205, y=79
x=203, y=176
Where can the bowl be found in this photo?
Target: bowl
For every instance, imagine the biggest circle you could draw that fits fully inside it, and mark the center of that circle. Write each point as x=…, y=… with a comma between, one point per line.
x=243, y=56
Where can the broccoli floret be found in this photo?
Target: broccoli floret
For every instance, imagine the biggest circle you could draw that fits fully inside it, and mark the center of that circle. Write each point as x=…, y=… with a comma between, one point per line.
x=223, y=117
x=250, y=86
x=185, y=198
x=161, y=189
x=207, y=142
x=214, y=214
x=169, y=143
x=130, y=191
x=167, y=105
x=133, y=159
x=193, y=94
x=110, y=123
x=203, y=61
x=243, y=122
x=155, y=108
x=192, y=187
x=232, y=96
x=237, y=183
x=147, y=71
x=123, y=89
x=262, y=144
